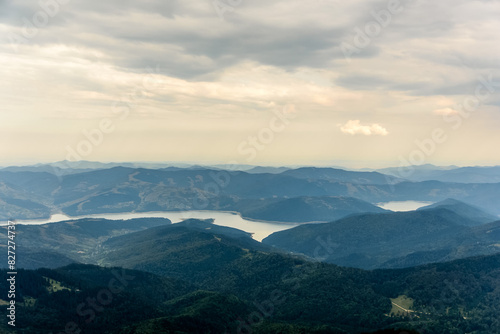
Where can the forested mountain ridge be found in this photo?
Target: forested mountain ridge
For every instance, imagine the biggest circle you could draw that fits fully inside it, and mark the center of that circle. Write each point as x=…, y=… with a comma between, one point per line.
x=465, y=210
x=56, y=244
x=123, y=189
x=277, y=294
x=395, y=239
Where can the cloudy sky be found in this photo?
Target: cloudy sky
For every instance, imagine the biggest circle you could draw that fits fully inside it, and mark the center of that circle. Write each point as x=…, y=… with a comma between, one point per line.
x=318, y=82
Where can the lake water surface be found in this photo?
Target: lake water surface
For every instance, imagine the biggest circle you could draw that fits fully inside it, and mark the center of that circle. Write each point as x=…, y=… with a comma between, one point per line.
x=260, y=230
x=403, y=205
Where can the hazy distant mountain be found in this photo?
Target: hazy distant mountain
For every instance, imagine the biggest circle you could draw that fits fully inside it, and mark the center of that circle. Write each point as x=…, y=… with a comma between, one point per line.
x=340, y=175
x=40, y=183
x=304, y=209
x=446, y=174
x=371, y=240
x=70, y=167
x=17, y=202
x=106, y=165
x=47, y=169
x=231, y=167
x=483, y=195
x=124, y=189
x=463, y=209
x=271, y=170
x=16, y=208
x=415, y=172
x=472, y=175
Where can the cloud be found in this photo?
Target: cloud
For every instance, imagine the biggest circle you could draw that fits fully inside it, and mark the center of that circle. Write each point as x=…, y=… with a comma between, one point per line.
x=354, y=127
x=445, y=111
x=234, y=72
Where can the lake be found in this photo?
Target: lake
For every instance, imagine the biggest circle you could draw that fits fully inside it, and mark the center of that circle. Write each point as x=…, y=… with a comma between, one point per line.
x=403, y=205
x=260, y=230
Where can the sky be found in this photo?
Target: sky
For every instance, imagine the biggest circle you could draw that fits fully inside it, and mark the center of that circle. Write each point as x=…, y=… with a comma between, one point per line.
x=261, y=82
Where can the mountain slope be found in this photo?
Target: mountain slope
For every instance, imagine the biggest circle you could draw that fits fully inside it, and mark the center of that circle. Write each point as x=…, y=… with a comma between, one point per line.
x=341, y=175
x=304, y=209
x=463, y=209
x=18, y=203
x=235, y=266
x=54, y=244
x=193, y=250
x=372, y=240
x=278, y=294
x=89, y=299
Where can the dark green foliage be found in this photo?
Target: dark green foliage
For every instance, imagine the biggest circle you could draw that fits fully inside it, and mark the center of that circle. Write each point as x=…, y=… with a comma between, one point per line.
x=395, y=331
x=277, y=294
x=198, y=312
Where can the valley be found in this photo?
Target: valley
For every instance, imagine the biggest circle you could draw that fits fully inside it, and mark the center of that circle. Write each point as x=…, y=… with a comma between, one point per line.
x=303, y=252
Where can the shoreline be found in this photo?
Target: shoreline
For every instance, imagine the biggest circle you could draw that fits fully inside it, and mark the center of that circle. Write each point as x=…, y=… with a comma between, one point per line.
x=42, y=221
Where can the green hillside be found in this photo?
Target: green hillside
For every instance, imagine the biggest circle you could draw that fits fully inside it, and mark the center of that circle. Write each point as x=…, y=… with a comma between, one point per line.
x=396, y=239
x=474, y=213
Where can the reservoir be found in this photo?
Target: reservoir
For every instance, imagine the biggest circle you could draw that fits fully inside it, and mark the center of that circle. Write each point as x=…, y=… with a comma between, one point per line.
x=403, y=205
x=259, y=229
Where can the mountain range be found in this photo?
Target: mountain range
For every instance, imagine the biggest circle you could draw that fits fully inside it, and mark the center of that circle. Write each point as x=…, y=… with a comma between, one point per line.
x=349, y=266
x=28, y=194
x=474, y=213
x=446, y=174
x=392, y=240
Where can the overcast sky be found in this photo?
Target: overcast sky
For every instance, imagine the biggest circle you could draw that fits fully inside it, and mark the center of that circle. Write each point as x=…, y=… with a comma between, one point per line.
x=318, y=82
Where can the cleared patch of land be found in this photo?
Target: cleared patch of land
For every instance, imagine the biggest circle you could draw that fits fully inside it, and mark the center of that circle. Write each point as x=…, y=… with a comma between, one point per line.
x=401, y=305
x=55, y=285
